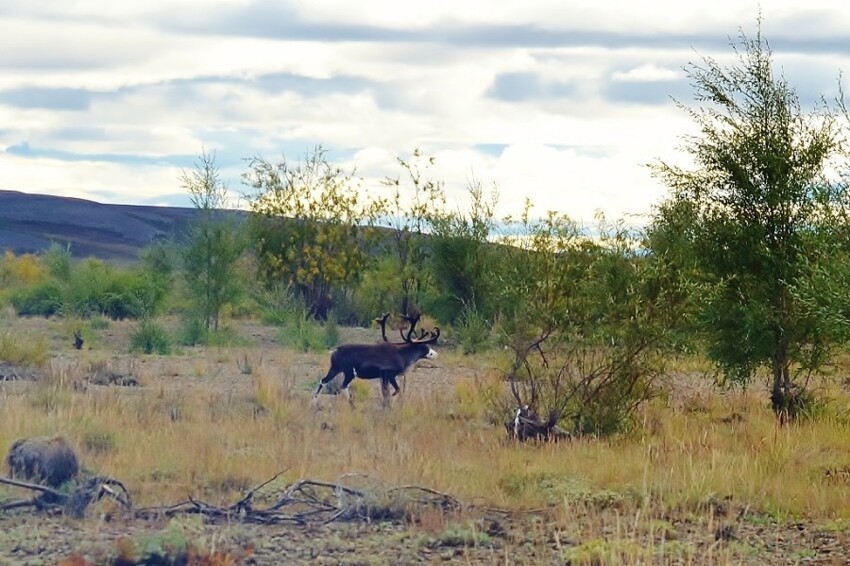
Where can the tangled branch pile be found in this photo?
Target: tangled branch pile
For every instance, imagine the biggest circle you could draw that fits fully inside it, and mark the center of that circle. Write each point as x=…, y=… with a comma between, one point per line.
x=305, y=502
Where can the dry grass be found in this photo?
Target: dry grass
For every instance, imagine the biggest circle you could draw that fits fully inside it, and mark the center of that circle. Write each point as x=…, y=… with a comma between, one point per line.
x=200, y=426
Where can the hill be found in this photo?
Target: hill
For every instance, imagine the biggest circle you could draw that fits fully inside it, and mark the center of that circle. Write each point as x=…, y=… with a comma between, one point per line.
x=30, y=223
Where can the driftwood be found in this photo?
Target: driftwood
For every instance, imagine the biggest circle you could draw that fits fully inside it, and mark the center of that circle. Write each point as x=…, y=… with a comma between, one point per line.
x=50, y=461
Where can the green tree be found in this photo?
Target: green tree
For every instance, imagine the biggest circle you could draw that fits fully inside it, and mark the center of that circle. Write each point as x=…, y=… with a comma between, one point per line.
x=312, y=227
x=760, y=222
x=214, y=246
x=462, y=257
x=415, y=201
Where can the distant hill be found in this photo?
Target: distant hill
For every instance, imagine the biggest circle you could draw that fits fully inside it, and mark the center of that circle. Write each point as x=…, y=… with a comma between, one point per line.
x=29, y=223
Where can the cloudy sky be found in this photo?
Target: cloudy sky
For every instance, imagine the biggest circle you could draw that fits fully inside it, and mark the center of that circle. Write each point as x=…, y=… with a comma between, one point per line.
x=561, y=101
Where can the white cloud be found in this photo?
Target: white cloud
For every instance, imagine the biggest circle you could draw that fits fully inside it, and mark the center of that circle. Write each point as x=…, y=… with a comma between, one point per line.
x=647, y=73
x=586, y=110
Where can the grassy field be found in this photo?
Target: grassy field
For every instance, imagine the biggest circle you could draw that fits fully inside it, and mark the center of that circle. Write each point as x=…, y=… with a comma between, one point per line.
x=707, y=477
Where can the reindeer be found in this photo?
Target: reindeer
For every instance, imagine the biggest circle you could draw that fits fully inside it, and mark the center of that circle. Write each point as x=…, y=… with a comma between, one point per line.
x=385, y=361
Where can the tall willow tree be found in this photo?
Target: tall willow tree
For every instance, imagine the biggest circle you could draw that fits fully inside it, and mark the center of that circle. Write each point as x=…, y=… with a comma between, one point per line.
x=760, y=222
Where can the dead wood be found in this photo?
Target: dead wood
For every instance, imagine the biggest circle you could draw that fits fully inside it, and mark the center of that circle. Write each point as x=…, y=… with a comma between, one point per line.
x=306, y=502
x=74, y=502
x=314, y=502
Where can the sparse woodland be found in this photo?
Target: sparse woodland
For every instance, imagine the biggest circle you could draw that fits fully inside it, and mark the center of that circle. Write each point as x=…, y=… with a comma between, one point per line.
x=674, y=392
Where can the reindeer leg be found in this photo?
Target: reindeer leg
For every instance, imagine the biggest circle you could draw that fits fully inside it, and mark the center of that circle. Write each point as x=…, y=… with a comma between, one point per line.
x=325, y=380
x=394, y=383
x=349, y=377
x=385, y=392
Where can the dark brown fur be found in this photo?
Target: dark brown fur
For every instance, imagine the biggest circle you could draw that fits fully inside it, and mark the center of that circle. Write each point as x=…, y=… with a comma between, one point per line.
x=48, y=461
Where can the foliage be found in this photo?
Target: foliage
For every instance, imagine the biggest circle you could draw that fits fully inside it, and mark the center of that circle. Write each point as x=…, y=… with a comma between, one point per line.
x=311, y=228
x=97, y=287
x=57, y=261
x=410, y=215
x=760, y=222
x=150, y=337
x=17, y=273
x=28, y=352
x=92, y=288
x=472, y=329
x=20, y=270
x=586, y=322
x=301, y=332
x=193, y=331
x=377, y=292
x=463, y=258
x=214, y=245
x=43, y=298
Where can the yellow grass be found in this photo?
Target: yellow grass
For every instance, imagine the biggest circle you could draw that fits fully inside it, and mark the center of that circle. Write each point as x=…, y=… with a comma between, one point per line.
x=167, y=440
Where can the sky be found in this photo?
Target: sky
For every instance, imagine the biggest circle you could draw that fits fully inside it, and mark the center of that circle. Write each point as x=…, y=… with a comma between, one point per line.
x=563, y=102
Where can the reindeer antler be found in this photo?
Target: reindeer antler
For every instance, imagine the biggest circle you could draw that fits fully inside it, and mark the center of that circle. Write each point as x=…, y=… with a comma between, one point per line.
x=382, y=320
x=412, y=319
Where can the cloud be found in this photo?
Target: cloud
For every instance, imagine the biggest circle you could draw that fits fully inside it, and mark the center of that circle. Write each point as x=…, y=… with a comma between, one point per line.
x=49, y=98
x=524, y=86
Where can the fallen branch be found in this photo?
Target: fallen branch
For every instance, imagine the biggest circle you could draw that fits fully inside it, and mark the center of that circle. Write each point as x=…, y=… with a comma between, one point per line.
x=76, y=501
x=305, y=502
x=314, y=502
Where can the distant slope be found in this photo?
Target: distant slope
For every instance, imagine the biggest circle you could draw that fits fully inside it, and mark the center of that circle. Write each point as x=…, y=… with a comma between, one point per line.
x=29, y=223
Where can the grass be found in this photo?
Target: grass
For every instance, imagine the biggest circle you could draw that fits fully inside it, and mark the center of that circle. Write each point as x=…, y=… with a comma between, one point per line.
x=205, y=438
x=202, y=427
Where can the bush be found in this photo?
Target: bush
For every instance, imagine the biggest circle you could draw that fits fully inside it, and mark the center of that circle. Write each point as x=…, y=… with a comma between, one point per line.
x=151, y=337
x=28, y=352
x=303, y=333
x=193, y=331
x=41, y=299
x=97, y=288
x=472, y=330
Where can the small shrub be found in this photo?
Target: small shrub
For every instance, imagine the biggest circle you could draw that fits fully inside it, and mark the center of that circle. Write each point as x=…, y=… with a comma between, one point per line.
x=303, y=334
x=798, y=405
x=460, y=535
x=151, y=337
x=472, y=330
x=192, y=331
x=31, y=352
x=330, y=333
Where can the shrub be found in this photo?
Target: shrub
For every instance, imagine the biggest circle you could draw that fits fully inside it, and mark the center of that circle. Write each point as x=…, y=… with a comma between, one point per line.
x=151, y=337
x=29, y=352
x=41, y=299
x=472, y=330
x=302, y=333
x=193, y=331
